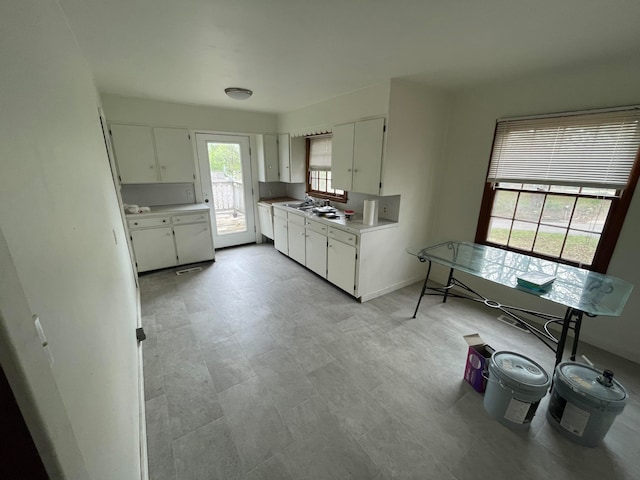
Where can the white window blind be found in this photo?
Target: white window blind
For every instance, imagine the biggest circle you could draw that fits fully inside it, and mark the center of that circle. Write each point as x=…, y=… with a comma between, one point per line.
x=320, y=153
x=588, y=150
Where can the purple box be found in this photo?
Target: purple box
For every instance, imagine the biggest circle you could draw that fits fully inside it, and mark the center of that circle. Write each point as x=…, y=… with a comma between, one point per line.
x=477, y=365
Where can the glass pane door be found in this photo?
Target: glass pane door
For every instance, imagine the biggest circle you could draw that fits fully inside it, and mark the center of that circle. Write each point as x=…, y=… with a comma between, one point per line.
x=225, y=173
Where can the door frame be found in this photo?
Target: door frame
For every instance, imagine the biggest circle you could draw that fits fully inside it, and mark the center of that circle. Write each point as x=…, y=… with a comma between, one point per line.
x=249, y=179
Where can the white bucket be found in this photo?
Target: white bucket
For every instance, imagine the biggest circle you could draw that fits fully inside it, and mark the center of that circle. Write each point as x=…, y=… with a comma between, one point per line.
x=515, y=386
x=584, y=402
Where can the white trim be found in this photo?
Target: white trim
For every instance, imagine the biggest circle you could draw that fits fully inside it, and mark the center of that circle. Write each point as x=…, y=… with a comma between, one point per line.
x=391, y=288
x=144, y=455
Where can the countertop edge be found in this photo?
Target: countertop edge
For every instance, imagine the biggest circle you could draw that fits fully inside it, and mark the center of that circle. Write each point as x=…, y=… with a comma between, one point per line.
x=355, y=226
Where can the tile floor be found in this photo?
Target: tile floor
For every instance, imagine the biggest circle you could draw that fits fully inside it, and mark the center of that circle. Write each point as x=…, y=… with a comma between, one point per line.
x=255, y=368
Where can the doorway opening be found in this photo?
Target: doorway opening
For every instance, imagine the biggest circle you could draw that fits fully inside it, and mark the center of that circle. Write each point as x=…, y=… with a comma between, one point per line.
x=225, y=173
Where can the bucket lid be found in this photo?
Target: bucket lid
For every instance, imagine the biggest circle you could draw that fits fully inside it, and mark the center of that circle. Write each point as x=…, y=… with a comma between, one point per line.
x=519, y=371
x=589, y=381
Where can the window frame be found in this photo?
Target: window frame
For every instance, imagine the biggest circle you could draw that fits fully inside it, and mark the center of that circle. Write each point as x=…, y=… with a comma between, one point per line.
x=608, y=237
x=318, y=193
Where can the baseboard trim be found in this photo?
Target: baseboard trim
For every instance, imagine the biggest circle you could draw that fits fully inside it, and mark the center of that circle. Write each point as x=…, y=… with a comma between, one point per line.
x=391, y=288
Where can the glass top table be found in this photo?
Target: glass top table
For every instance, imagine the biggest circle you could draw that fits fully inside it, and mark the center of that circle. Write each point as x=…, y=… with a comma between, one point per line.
x=579, y=290
x=591, y=292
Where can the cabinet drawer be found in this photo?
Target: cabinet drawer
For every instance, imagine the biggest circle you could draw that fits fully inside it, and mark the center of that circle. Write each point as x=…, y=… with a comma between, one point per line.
x=278, y=212
x=343, y=236
x=317, y=227
x=297, y=219
x=148, y=222
x=190, y=218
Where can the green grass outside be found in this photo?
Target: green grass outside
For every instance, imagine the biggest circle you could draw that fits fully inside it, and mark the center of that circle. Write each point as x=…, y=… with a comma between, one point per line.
x=578, y=248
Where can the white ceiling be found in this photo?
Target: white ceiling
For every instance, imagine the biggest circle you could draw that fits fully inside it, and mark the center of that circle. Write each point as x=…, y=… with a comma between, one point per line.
x=293, y=53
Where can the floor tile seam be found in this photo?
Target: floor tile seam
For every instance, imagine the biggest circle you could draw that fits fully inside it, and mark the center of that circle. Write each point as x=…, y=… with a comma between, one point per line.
x=246, y=353
x=222, y=418
x=366, y=452
x=264, y=462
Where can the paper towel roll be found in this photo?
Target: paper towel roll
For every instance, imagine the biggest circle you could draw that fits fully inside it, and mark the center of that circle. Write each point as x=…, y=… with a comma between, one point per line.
x=370, y=212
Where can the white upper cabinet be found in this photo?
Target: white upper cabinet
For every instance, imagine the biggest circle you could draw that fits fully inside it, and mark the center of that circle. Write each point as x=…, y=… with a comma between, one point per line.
x=292, y=155
x=135, y=155
x=342, y=156
x=175, y=155
x=153, y=155
x=356, y=162
x=268, y=164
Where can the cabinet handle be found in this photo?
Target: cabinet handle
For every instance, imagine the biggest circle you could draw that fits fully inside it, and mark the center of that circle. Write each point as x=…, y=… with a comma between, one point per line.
x=355, y=170
x=350, y=239
x=302, y=234
x=135, y=223
x=348, y=170
x=164, y=167
x=163, y=221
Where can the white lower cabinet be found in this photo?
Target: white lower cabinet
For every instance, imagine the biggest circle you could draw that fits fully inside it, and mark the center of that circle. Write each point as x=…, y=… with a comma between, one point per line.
x=193, y=242
x=154, y=248
x=341, y=265
x=296, y=237
x=280, y=240
x=316, y=252
x=265, y=220
x=326, y=250
x=169, y=240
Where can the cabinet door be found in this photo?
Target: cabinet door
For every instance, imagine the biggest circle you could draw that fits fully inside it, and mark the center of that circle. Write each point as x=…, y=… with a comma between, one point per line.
x=342, y=156
x=271, y=162
x=154, y=248
x=316, y=252
x=367, y=156
x=175, y=155
x=135, y=156
x=283, y=156
x=296, y=236
x=265, y=219
x=297, y=159
x=193, y=243
x=341, y=265
x=280, y=240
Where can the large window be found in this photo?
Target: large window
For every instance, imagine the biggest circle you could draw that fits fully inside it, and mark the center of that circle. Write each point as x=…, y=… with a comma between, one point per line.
x=559, y=187
x=319, y=169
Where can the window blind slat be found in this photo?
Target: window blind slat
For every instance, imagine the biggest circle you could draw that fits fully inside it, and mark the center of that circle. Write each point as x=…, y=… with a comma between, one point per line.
x=594, y=149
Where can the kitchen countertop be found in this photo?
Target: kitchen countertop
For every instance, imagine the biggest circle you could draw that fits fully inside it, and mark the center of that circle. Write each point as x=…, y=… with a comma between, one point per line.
x=167, y=209
x=354, y=225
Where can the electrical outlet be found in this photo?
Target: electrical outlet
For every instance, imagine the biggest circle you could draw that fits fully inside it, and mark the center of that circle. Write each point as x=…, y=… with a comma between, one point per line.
x=385, y=209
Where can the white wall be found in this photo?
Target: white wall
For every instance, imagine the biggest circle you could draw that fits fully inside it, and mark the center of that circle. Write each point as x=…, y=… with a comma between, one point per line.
x=60, y=218
x=472, y=122
x=414, y=151
x=159, y=113
x=367, y=102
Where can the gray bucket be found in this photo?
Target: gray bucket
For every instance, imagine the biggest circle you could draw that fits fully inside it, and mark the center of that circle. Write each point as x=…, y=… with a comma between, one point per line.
x=584, y=402
x=515, y=386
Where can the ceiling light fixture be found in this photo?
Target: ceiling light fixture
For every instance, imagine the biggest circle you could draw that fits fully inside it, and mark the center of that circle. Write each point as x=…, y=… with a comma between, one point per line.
x=238, y=93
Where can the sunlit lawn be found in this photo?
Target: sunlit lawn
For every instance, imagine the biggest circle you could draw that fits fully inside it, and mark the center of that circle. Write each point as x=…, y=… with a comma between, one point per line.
x=579, y=248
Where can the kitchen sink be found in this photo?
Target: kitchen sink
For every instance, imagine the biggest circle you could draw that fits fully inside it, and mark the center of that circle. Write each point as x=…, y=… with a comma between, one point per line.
x=299, y=206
